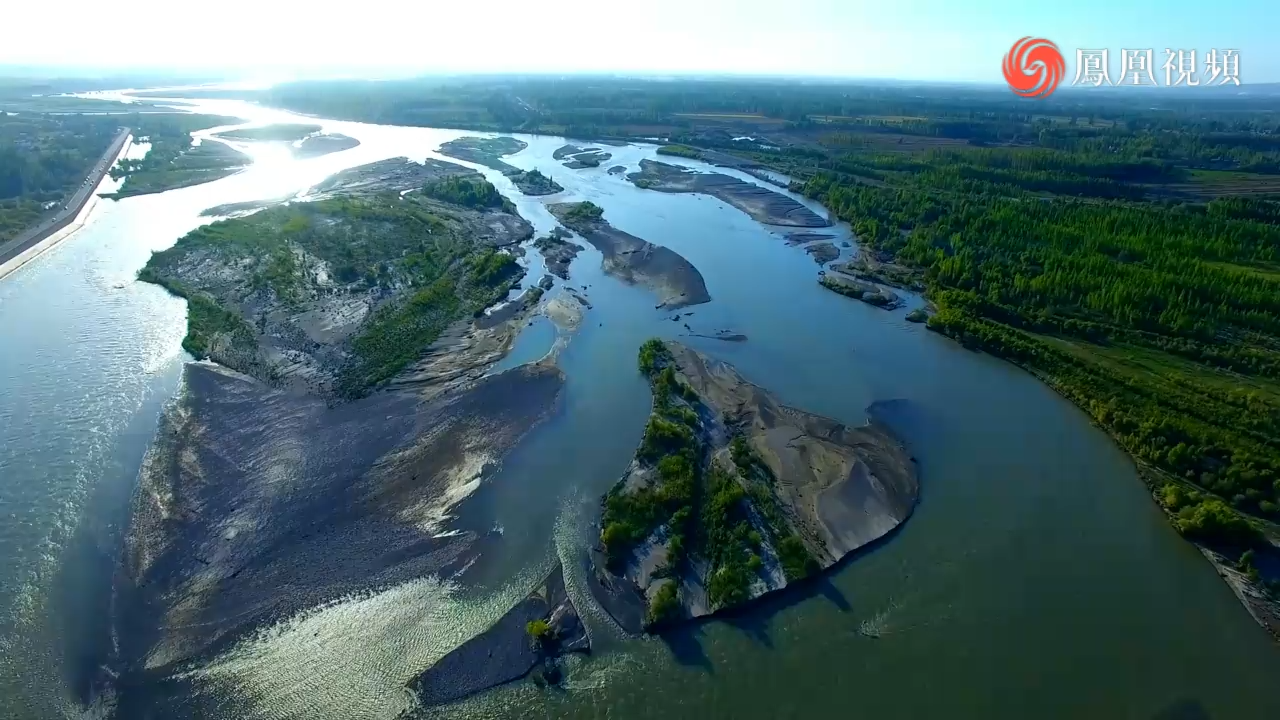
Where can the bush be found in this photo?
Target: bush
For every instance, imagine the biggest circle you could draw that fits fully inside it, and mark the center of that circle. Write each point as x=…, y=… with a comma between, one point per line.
x=1246, y=560
x=584, y=212
x=1214, y=521
x=540, y=633
x=492, y=267
x=730, y=585
x=665, y=607
x=664, y=437
x=680, y=151
x=651, y=353
x=796, y=561
x=472, y=192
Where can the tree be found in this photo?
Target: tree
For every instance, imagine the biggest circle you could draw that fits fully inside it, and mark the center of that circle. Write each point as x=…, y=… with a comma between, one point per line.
x=665, y=606
x=540, y=633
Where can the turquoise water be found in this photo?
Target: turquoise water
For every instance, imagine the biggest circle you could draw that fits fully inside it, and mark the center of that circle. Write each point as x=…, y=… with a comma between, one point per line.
x=533, y=343
x=1036, y=579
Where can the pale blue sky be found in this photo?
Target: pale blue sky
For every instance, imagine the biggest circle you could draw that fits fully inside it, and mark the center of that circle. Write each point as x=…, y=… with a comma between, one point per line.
x=892, y=39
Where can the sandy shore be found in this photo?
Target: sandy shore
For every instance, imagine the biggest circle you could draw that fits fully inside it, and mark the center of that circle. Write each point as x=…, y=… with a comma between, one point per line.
x=762, y=204
x=505, y=652
x=257, y=504
x=671, y=277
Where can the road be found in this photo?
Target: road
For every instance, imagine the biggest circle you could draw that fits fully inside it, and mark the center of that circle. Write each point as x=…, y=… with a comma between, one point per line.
x=33, y=235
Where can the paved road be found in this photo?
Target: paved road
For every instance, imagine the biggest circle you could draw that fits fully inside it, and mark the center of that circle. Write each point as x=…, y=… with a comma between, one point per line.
x=70, y=210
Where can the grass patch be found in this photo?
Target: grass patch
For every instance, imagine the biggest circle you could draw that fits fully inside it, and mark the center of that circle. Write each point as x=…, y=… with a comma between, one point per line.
x=281, y=132
x=428, y=263
x=681, y=151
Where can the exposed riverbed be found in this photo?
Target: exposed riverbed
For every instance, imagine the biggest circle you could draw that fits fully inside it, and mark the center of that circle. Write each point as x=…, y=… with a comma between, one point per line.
x=1035, y=579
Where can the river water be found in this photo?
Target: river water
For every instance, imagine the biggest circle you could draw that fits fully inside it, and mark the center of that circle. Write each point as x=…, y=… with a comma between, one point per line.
x=1036, y=579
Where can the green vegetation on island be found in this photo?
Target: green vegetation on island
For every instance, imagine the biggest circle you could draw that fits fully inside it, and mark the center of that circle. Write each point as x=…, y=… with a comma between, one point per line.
x=699, y=503
x=418, y=264
x=280, y=132
x=533, y=182
x=681, y=151
x=583, y=212
x=173, y=160
x=867, y=293
x=702, y=521
x=470, y=191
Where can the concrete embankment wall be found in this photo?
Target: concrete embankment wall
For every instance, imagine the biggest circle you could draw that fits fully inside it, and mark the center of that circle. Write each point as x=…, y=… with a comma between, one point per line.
x=32, y=241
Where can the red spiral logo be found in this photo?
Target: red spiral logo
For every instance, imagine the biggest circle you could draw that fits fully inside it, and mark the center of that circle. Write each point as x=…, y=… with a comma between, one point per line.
x=1033, y=67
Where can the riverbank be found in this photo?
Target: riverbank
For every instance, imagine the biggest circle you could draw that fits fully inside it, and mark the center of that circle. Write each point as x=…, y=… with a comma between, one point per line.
x=38, y=240
x=1248, y=582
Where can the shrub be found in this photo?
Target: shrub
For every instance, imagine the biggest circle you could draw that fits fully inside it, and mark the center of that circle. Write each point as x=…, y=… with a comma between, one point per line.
x=492, y=267
x=664, y=608
x=651, y=352
x=796, y=561
x=681, y=151
x=730, y=585
x=1213, y=520
x=472, y=192
x=584, y=212
x=540, y=632
x=664, y=437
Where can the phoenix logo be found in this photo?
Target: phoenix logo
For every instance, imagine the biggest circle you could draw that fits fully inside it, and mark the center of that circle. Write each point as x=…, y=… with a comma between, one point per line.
x=1033, y=67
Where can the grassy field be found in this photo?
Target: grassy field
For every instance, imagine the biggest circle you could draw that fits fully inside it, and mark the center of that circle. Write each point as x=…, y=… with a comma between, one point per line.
x=1205, y=185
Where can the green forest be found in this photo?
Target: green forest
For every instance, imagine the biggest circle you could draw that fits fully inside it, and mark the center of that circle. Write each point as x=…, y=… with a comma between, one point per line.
x=1161, y=320
x=468, y=191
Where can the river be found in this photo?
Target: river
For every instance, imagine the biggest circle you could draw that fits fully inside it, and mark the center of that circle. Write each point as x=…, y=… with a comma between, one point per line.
x=1036, y=579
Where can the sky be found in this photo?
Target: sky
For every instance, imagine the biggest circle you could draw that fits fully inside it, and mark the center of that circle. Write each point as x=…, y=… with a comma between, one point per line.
x=921, y=40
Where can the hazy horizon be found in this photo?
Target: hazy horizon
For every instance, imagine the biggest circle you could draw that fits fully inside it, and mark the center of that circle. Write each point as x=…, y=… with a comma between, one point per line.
x=908, y=41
